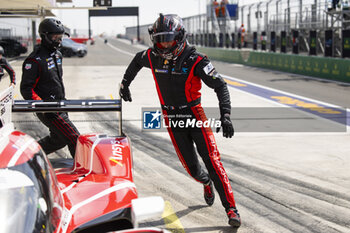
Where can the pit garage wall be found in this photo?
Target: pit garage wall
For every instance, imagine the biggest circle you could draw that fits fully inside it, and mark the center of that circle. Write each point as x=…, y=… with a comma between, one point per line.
x=321, y=67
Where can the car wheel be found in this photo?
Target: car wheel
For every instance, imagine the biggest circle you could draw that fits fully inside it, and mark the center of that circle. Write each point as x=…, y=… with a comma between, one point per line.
x=81, y=53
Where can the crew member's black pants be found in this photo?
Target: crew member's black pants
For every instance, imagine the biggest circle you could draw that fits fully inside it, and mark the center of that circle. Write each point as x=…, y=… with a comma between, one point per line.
x=184, y=138
x=62, y=132
x=335, y=3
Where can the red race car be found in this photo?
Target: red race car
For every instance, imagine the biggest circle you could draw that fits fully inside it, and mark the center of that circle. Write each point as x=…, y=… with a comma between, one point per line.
x=95, y=194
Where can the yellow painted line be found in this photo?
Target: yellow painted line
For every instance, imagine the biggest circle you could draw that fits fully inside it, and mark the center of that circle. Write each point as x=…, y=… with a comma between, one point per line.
x=111, y=96
x=172, y=222
x=237, y=84
x=116, y=161
x=298, y=103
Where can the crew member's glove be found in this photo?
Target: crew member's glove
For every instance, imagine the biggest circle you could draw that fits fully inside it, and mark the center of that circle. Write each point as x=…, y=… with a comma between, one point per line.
x=227, y=127
x=124, y=92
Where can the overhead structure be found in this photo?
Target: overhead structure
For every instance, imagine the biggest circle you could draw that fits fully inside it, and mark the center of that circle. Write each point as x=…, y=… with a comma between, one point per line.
x=38, y=9
x=28, y=9
x=116, y=11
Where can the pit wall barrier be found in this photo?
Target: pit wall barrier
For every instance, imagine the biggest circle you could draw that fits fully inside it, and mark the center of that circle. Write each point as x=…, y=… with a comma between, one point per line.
x=321, y=67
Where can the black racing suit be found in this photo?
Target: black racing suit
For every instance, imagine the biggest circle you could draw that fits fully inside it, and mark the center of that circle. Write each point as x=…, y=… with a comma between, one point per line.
x=42, y=80
x=5, y=65
x=178, y=84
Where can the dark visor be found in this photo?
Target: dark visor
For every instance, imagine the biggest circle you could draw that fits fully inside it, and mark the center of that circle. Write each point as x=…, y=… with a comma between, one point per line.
x=164, y=37
x=64, y=34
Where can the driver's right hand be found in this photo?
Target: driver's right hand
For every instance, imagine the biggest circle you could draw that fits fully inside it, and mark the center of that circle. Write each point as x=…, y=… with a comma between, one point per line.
x=124, y=93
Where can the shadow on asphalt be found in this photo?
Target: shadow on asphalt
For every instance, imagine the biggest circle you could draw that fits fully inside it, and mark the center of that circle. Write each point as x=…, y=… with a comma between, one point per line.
x=182, y=213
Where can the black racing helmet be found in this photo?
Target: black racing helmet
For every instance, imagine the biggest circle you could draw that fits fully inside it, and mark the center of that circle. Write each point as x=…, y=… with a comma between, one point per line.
x=49, y=27
x=168, y=28
x=2, y=51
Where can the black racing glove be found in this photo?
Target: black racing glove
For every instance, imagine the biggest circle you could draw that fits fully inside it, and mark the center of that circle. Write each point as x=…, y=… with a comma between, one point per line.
x=124, y=92
x=227, y=127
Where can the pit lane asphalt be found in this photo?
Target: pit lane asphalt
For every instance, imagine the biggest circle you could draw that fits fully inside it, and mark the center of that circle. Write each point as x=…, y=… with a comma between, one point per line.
x=282, y=182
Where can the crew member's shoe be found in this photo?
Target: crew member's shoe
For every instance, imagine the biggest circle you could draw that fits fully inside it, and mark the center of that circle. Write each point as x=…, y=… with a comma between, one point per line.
x=209, y=195
x=233, y=217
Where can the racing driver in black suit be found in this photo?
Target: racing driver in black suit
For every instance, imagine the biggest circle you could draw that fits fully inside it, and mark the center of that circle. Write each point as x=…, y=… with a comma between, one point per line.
x=42, y=80
x=4, y=64
x=178, y=71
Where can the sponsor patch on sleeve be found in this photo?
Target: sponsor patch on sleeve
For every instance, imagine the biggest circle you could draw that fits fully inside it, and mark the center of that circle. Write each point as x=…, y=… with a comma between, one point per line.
x=50, y=64
x=208, y=68
x=28, y=66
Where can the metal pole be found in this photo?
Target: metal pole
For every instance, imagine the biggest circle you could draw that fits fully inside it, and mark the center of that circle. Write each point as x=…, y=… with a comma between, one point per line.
x=288, y=15
x=316, y=8
x=138, y=26
x=258, y=16
x=34, y=33
x=300, y=12
x=120, y=130
x=89, y=22
x=199, y=24
x=242, y=16
x=276, y=19
x=267, y=28
x=249, y=16
x=267, y=16
x=285, y=19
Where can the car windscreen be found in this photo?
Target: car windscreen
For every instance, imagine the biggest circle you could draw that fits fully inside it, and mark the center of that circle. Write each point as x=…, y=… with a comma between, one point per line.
x=30, y=200
x=20, y=204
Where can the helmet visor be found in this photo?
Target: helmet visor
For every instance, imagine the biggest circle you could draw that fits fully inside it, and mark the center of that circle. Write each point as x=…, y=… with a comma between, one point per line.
x=166, y=45
x=165, y=41
x=164, y=37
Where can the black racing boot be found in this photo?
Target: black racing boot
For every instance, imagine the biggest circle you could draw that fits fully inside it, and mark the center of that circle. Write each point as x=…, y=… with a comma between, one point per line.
x=233, y=217
x=209, y=195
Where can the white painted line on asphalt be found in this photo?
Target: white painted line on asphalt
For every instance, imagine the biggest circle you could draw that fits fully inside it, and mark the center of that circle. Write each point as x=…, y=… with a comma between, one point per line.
x=288, y=94
x=348, y=116
x=236, y=65
x=288, y=73
x=282, y=92
x=120, y=50
x=136, y=44
x=258, y=96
